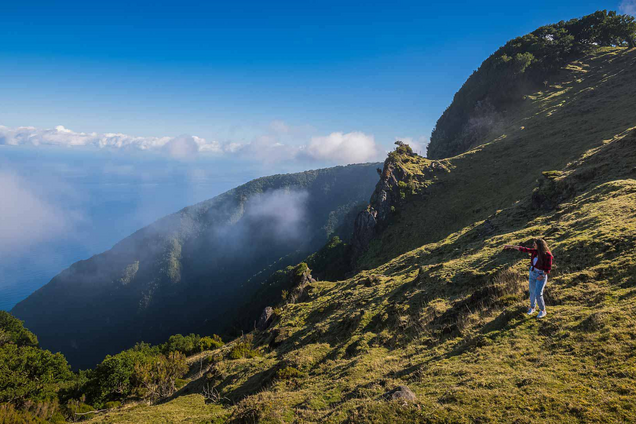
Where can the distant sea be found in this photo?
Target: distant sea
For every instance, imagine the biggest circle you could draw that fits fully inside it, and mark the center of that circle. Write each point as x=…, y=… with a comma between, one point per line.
x=108, y=197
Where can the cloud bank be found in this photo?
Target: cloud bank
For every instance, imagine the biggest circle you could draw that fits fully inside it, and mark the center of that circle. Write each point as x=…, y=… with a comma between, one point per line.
x=26, y=217
x=273, y=146
x=350, y=148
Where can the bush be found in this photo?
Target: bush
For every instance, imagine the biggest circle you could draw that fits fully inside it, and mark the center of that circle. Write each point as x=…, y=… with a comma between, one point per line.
x=299, y=270
x=403, y=148
x=190, y=344
x=12, y=331
x=209, y=343
x=243, y=349
x=143, y=372
x=289, y=373
x=30, y=374
x=112, y=405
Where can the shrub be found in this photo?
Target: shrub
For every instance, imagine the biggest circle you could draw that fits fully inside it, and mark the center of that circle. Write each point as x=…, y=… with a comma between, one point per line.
x=300, y=269
x=288, y=373
x=209, y=343
x=403, y=148
x=12, y=331
x=158, y=375
x=30, y=374
x=112, y=405
x=143, y=371
x=243, y=349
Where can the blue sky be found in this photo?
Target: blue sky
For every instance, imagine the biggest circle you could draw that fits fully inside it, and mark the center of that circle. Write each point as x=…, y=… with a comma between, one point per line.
x=225, y=71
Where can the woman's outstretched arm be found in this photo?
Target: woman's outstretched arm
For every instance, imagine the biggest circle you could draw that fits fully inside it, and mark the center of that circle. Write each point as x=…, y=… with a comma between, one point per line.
x=519, y=248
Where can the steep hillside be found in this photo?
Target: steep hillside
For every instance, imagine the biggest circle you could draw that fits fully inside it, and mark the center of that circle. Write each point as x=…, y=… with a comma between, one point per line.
x=189, y=272
x=591, y=101
x=439, y=307
x=528, y=62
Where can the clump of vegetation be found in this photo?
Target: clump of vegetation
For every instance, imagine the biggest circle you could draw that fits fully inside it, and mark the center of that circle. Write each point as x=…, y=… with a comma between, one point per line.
x=141, y=372
x=244, y=348
x=191, y=344
x=30, y=378
x=289, y=373
x=39, y=386
x=403, y=148
x=300, y=270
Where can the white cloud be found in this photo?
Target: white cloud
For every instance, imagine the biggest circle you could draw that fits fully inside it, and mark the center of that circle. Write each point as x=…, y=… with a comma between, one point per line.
x=628, y=7
x=353, y=147
x=182, y=147
x=279, y=142
x=26, y=217
x=418, y=145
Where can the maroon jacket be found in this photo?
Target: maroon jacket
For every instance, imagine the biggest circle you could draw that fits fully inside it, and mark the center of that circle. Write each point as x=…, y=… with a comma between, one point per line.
x=545, y=265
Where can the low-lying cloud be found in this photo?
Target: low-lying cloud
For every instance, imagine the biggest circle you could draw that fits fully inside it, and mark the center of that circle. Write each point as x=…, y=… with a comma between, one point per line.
x=277, y=217
x=26, y=217
x=274, y=145
x=284, y=211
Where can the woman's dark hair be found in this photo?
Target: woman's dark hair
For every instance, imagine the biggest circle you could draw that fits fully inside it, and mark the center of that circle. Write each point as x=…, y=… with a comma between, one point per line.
x=542, y=247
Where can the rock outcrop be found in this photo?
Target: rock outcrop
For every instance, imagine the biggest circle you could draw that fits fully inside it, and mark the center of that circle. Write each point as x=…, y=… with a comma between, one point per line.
x=303, y=279
x=265, y=319
x=385, y=196
x=401, y=394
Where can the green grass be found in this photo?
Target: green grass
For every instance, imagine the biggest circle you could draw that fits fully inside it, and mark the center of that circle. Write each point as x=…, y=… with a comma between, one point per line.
x=185, y=409
x=441, y=306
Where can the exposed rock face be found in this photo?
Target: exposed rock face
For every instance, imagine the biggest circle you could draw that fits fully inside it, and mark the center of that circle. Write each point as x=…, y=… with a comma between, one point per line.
x=401, y=394
x=386, y=194
x=299, y=291
x=265, y=319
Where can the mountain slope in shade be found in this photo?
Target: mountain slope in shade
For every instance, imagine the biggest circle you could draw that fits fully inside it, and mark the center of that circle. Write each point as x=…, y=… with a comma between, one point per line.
x=187, y=272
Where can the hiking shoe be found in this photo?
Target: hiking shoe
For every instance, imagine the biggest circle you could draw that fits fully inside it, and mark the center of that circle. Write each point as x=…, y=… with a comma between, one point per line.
x=542, y=314
x=530, y=311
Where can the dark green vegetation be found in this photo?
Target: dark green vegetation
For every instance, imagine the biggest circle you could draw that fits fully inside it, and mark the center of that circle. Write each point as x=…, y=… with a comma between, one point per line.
x=30, y=377
x=191, y=271
x=39, y=386
x=523, y=64
x=435, y=304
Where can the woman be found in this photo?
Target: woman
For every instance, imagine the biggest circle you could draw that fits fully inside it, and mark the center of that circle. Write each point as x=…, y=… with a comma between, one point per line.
x=540, y=266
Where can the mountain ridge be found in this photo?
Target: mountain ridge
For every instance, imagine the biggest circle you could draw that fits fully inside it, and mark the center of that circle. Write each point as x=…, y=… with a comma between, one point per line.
x=123, y=286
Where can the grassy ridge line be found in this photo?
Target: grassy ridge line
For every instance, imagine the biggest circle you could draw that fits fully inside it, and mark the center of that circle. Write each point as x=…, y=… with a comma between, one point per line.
x=446, y=318
x=586, y=106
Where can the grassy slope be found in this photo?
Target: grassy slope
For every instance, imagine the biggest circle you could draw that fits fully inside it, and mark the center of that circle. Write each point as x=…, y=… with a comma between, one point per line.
x=443, y=311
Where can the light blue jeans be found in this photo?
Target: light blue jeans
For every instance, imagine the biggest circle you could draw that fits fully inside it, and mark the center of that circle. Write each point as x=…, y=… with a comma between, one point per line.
x=538, y=280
